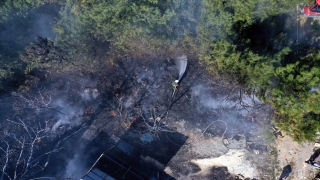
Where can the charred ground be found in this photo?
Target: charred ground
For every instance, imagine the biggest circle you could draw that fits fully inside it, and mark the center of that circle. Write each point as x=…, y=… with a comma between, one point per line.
x=130, y=98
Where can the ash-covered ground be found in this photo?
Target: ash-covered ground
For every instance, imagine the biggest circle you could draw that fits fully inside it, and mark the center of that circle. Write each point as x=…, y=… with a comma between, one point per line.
x=206, y=129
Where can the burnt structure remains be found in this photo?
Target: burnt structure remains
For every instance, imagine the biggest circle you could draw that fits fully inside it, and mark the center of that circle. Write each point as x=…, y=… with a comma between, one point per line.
x=137, y=156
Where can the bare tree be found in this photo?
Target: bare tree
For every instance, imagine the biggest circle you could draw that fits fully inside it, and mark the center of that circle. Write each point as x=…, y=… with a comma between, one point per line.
x=37, y=101
x=6, y=154
x=154, y=125
x=24, y=145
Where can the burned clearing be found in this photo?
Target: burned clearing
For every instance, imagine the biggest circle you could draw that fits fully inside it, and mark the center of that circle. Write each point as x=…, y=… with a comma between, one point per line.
x=207, y=129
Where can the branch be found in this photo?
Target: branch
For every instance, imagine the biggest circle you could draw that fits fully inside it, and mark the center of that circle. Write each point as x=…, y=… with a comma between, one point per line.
x=119, y=109
x=35, y=102
x=55, y=149
x=30, y=156
x=50, y=178
x=45, y=165
x=7, y=160
x=18, y=161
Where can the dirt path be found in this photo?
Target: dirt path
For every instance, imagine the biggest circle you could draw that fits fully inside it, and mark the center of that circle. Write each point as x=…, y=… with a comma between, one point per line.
x=294, y=154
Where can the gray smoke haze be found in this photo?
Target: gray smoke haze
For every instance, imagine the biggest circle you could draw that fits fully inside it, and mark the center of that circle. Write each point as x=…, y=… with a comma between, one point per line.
x=129, y=102
x=238, y=113
x=71, y=114
x=18, y=31
x=207, y=98
x=202, y=94
x=42, y=25
x=75, y=167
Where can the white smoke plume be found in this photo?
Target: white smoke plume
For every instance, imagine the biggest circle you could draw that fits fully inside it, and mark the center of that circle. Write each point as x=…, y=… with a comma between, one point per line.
x=202, y=94
x=71, y=115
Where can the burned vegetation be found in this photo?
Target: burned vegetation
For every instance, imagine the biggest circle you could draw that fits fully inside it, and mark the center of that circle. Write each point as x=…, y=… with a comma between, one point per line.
x=60, y=122
x=155, y=89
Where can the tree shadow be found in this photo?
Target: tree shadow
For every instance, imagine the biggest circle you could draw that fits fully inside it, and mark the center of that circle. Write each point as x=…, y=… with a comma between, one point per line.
x=270, y=36
x=265, y=37
x=285, y=172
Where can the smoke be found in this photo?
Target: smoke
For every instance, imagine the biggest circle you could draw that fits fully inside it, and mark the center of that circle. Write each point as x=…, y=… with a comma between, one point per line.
x=18, y=31
x=82, y=154
x=182, y=65
x=43, y=21
x=129, y=102
x=141, y=76
x=89, y=94
x=75, y=167
x=71, y=115
x=232, y=108
x=201, y=93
